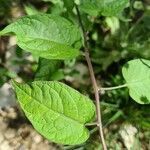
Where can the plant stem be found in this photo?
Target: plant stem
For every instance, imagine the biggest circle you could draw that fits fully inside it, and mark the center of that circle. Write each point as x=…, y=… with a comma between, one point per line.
x=112, y=88
x=91, y=124
x=93, y=79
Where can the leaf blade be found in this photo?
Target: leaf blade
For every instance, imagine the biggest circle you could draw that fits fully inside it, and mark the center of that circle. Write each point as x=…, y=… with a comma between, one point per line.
x=45, y=33
x=137, y=75
x=60, y=107
x=103, y=7
x=48, y=69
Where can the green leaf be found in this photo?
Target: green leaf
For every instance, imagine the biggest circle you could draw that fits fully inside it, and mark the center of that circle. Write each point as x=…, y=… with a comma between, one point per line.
x=47, y=36
x=113, y=23
x=48, y=70
x=103, y=7
x=69, y=4
x=137, y=75
x=113, y=7
x=56, y=110
x=90, y=7
x=31, y=10
x=54, y=1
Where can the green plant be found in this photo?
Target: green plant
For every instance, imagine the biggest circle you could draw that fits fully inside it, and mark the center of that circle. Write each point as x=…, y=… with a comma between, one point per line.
x=57, y=111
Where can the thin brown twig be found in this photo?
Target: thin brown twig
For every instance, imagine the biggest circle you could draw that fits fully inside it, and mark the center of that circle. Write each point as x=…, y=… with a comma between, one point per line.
x=93, y=79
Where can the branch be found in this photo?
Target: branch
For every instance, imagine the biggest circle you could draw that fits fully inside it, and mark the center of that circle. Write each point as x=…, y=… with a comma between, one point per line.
x=93, y=79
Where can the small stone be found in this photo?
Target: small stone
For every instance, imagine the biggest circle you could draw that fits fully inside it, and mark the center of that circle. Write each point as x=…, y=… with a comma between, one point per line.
x=37, y=139
x=12, y=114
x=40, y=146
x=3, y=113
x=5, y=146
x=1, y=138
x=3, y=125
x=128, y=135
x=24, y=132
x=10, y=133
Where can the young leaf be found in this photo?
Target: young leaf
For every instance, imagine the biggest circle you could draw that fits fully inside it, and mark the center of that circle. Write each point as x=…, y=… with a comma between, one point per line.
x=45, y=35
x=137, y=75
x=48, y=70
x=103, y=7
x=56, y=110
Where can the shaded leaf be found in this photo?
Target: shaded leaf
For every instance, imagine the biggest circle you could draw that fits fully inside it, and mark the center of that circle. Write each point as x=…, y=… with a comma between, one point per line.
x=48, y=70
x=69, y=4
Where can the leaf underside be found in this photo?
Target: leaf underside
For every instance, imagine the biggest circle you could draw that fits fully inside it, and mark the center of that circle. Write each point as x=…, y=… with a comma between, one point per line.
x=137, y=75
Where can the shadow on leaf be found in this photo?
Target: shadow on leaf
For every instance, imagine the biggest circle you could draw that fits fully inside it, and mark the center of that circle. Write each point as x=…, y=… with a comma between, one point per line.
x=144, y=63
x=144, y=99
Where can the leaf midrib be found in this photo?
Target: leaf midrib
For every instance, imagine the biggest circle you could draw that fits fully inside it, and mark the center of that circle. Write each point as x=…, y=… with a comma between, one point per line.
x=82, y=124
x=30, y=39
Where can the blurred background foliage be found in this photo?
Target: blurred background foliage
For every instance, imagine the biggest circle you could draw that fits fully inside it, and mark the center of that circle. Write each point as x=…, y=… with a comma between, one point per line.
x=113, y=41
